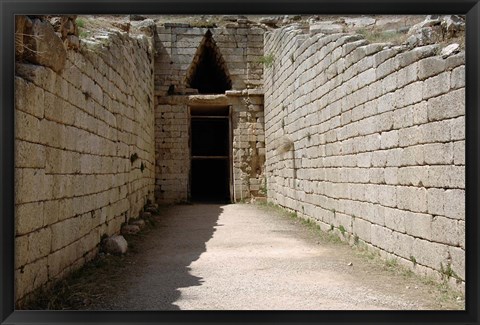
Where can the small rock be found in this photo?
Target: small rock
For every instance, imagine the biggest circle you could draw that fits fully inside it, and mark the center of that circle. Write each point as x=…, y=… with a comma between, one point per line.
x=130, y=229
x=137, y=17
x=115, y=244
x=73, y=41
x=151, y=210
x=449, y=50
x=139, y=222
x=269, y=21
x=350, y=264
x=407, y=287
x=146, y=215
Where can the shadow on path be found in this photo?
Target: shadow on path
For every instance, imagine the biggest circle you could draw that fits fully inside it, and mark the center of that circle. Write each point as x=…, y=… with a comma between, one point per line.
x=161, y=265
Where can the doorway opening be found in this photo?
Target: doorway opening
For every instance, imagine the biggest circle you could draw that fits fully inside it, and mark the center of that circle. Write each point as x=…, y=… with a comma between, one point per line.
x=210, y=171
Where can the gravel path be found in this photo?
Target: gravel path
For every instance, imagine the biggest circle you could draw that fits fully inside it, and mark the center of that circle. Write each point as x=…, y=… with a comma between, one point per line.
x=245, y=257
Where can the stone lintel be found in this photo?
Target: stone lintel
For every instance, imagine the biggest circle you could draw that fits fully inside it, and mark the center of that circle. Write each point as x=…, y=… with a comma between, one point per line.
x=208, y=100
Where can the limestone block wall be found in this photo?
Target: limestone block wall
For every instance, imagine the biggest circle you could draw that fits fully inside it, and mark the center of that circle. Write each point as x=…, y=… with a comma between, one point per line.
x=369, y=141
x=84, y=154
x=241, y=48
x=172, y=149
x=248, y=147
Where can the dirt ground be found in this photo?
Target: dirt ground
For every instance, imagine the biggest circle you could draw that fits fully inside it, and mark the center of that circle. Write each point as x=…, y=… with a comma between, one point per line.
x=249, y=257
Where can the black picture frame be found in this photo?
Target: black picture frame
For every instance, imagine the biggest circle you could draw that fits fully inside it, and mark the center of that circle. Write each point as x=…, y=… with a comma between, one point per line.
x=9, y=8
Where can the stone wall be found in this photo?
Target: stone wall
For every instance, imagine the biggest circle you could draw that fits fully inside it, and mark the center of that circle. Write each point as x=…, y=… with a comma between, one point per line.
x=369, y=141
x=241, y=47
x=84, y=154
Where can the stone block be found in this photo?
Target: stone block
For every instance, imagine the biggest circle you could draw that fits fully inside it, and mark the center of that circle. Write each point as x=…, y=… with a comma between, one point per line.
x=381, y=237
x=447, y=231
x=29, y=98
x=30, y=277
x=65, y=232
x=46, y=48
x=457, y=128
x=438, y=153
x=437, y=85
x=459, y=153
x=407, y=75
x=389, y=139
x=32, y=185
x=454, y=204
x=29, y=155
x=458, y=261
x=395, y=219
x=362, y=228
x=387, y=196
x=457, y=78
x=410, y=94
x=436, y=131
x=28, y=217
x=391, y=175
x=412, y=198
x=436, y=201
x=41, y=76
x=27, y=127
x=429, y=67
x=39, y=244
x=410, y=136
x=430, y=254
x=447, y=106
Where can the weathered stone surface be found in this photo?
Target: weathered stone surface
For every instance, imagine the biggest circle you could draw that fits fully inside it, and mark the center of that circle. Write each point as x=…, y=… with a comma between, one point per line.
x=116, y=245
x=70, y=140
x=269, y=21
x=360, y=22
x=146, y=26
x=450, y=50
x=45, y=47
x=453, y=25
x=326, y=28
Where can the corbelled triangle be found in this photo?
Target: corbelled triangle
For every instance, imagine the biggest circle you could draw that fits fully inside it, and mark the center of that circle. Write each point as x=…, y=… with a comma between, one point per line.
x=208, y=71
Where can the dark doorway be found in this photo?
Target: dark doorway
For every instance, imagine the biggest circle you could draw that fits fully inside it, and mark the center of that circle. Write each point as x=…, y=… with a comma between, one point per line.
x=210, y=164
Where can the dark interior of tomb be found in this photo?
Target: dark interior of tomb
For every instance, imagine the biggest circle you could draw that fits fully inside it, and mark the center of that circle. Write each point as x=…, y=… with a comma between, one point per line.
x=210, y=173
x=209, y=75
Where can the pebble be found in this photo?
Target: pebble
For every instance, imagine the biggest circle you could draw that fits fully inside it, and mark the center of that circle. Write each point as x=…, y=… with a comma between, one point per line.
x=350, y=264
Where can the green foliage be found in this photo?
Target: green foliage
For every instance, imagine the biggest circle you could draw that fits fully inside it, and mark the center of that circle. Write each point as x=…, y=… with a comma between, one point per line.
x=342, y=229
x=374, y=36
x=80, y=22
x=448, y=271
x=356, y=239
x=413, y=259
x=84, y=34
x=267, y=60
x=391, y=262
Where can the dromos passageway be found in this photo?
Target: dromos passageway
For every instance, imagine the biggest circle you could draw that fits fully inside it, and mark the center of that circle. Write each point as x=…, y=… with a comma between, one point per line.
x=248, y=257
